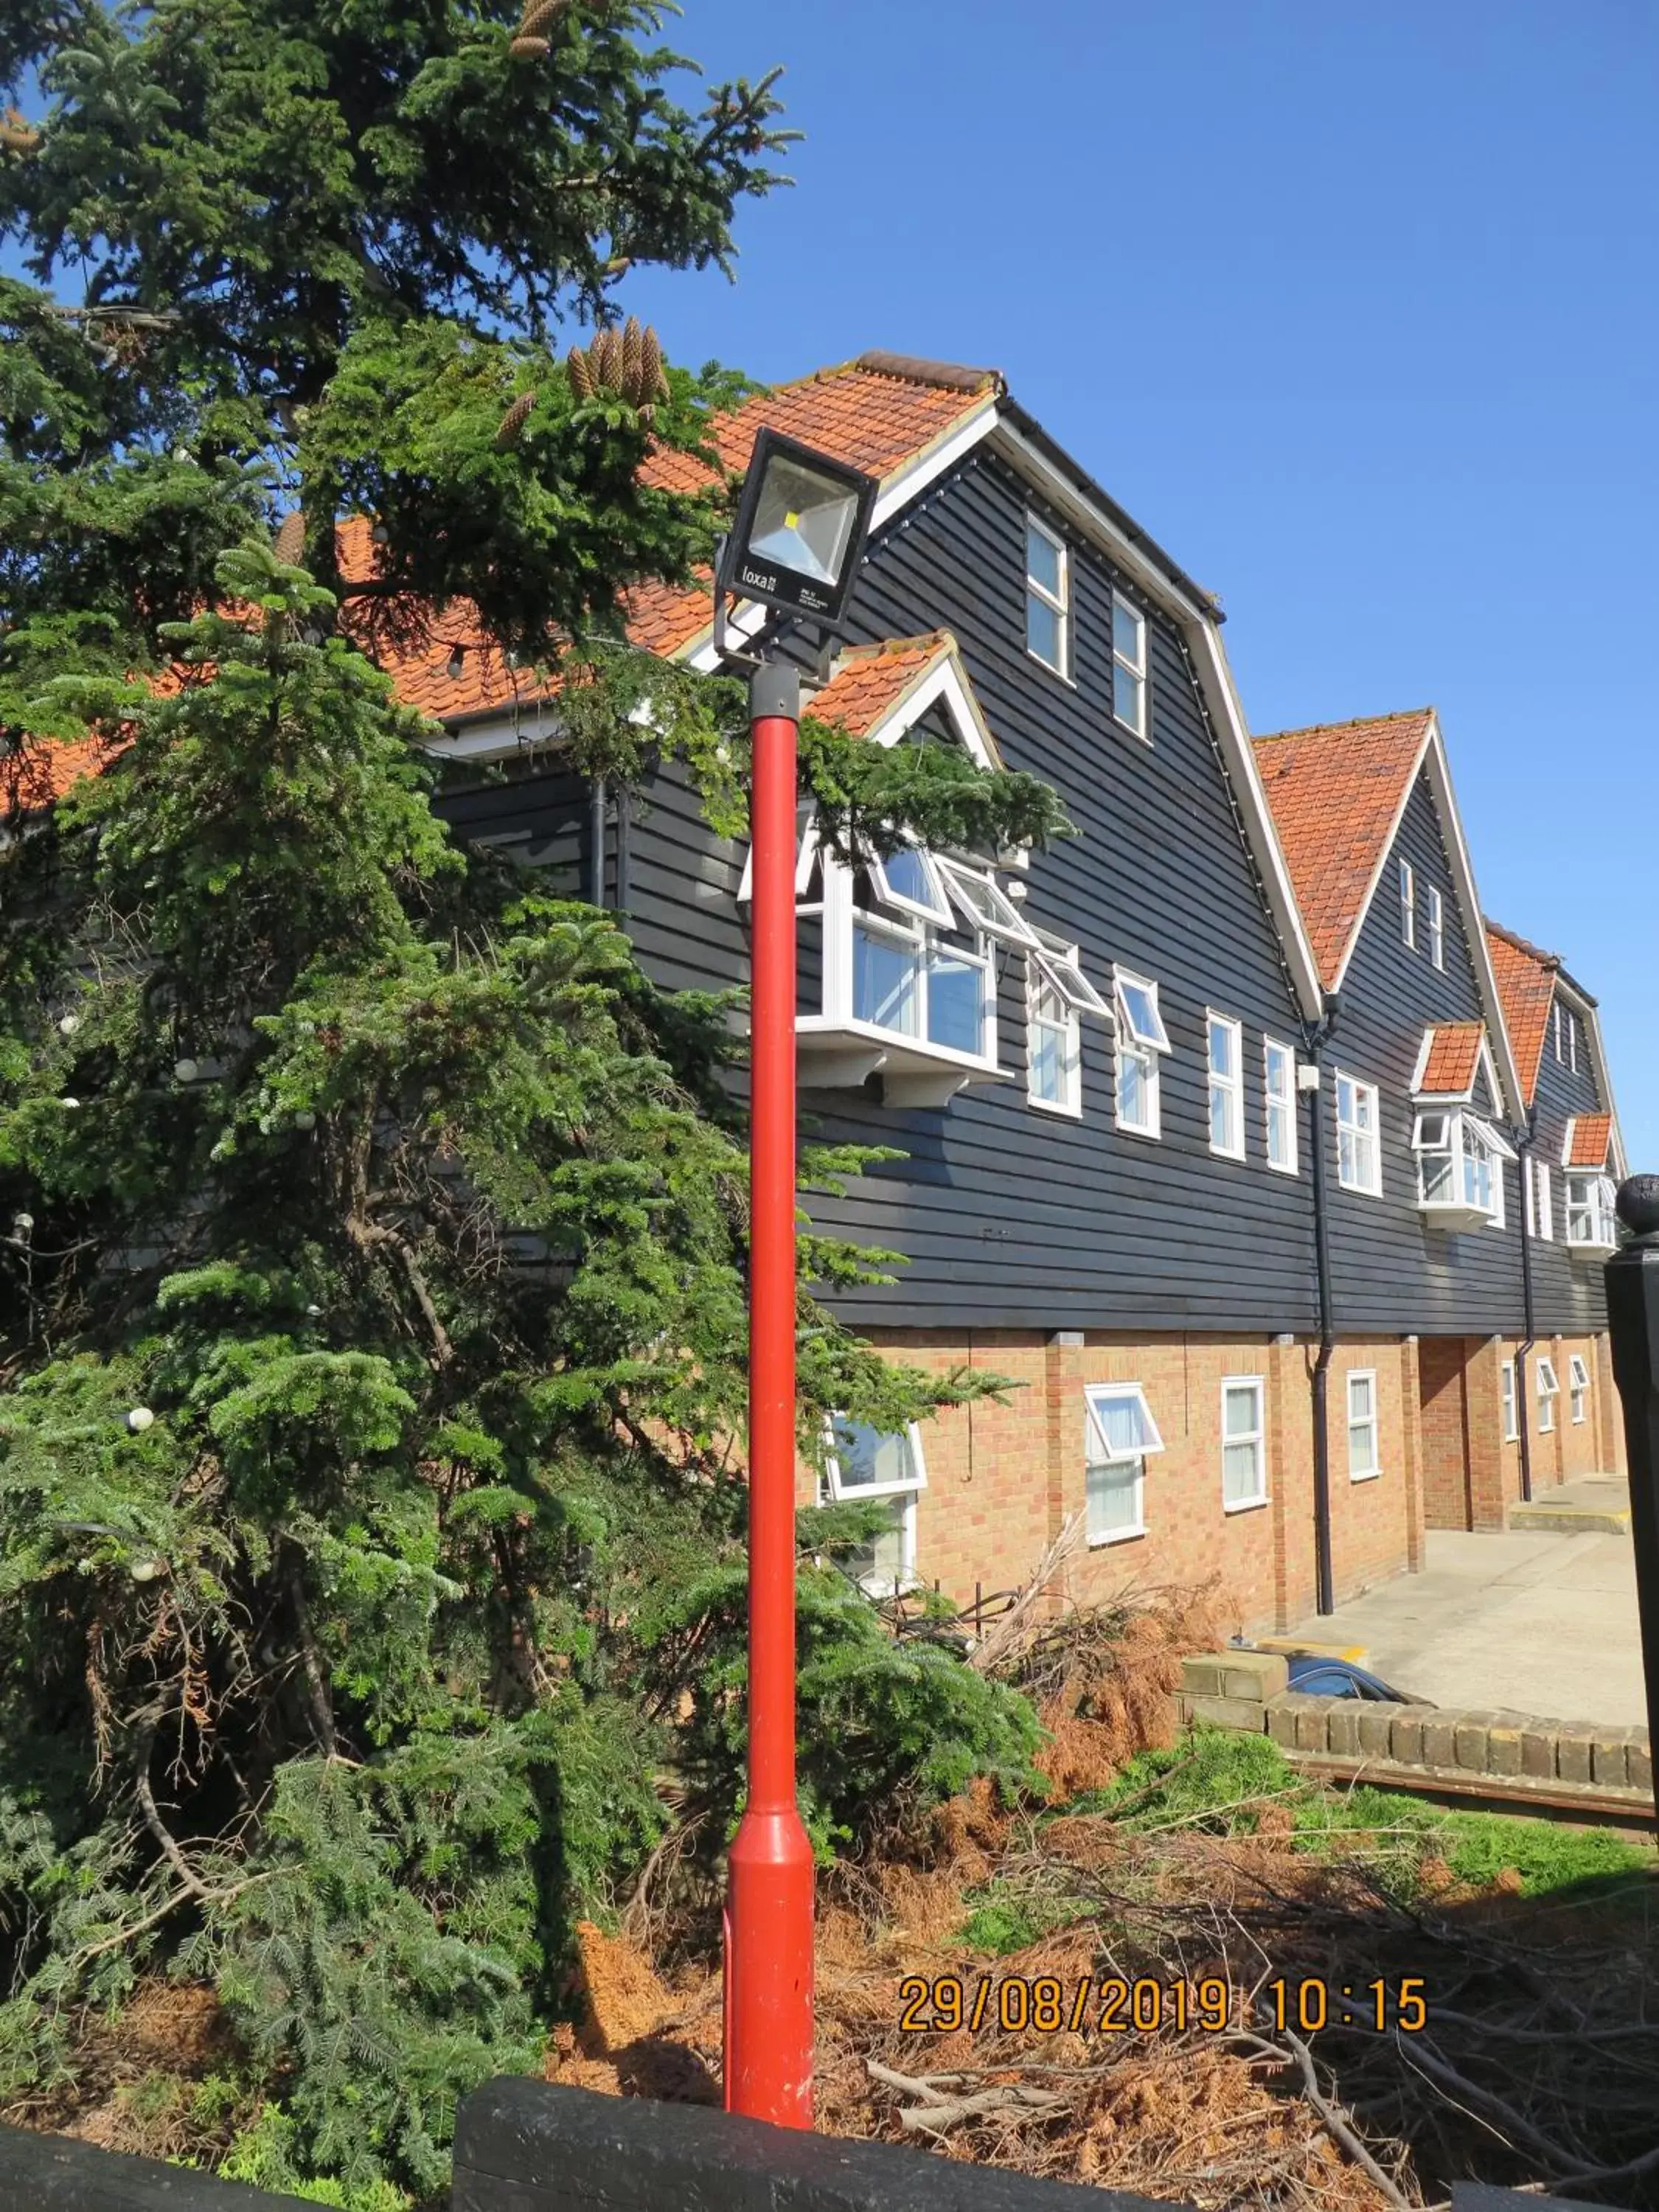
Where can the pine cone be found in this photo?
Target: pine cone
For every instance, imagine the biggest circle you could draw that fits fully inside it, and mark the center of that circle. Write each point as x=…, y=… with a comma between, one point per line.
x=581, y=375
x=538, y=14
x=654, y=383
x=513, y=421
x=606, y=354
x=290, y=543
x=21, y=138
x=528, y=49
x=633, y=360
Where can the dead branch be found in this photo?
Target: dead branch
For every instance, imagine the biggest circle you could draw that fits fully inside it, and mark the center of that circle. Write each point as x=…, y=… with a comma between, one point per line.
x=1014, y=1633
x=1337, y=2123
x=938, y=2111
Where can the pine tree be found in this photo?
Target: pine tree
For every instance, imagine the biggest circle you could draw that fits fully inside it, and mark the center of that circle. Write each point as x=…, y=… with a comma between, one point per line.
x=371, y=1260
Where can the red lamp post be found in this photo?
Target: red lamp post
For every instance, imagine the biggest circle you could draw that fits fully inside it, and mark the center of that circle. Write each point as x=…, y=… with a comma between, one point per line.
x=796, y=545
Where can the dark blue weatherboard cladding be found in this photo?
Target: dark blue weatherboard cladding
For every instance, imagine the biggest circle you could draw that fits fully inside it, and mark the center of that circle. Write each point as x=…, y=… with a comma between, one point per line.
x=1011, y=1217
x=1391, y=1270
x=1569, y=1293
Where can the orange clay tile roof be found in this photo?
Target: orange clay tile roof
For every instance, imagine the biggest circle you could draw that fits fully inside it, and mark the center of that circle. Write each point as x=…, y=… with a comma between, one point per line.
x=1589, y=1136
x=872, y=679
x=41, y=771
x=1454, y=1055
x=1335, y=791
x=1526, y=991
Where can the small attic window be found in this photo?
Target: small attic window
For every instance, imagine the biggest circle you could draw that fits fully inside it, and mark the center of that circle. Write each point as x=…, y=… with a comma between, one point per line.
x=1048, y=598
x=1407, y=906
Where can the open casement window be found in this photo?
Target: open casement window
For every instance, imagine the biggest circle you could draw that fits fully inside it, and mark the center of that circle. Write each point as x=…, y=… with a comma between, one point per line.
x=1141, y=1041
x=1244, y=1442
x=1119, y=1434
x=1129, y=666
x=1279, y=1105
x=1359, y=1154
x=1592, y=1223
x=1363, y=1459
x=1548, y=1391
x=1460, y=1168
x=1511, y=1408
x=1578, y=1384
x=1226, y=1087
x=1057, y=995
x=865, y=1463
x=808, y=866
x=983, y=903
x=908, y=881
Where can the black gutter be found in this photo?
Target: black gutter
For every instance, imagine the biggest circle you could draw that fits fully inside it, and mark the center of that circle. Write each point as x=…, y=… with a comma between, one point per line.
x=1523, y=1431
x=1314, y=1036
x=596, y=845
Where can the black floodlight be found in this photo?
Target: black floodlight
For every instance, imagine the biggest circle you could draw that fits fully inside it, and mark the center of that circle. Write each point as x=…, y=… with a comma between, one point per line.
x=800, y=530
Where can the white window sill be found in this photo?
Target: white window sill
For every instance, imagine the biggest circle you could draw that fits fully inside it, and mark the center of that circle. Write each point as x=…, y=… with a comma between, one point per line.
x=838, y=1055
x=1058, y=674
x=1134, y=1129
x=1216, y=1153
x=1581, y=1250
x=1365, y=1474
x=1054, y=1106
x=1245, y=1504
x=1118, y=1536
x=1128, y=730
x=1444, y=1214
x=1279, y=1167
x=1360, y=1189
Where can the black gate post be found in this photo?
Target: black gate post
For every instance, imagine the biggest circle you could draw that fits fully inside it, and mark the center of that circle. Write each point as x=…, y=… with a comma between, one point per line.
x=1632, y=1281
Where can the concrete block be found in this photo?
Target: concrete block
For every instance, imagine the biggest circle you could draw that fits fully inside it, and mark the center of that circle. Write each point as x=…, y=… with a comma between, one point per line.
x=50, y=2173
x=1205, y=1676
x=1503, y=1749
x=1342, y=1731
x=1312, y=1719
x=1572, y=1752
x=1375, y=1731
x=1607, y=1749
x=1469, y=1742
x=1225, y=1712
x=1281, y=1721
x=1258, y=1675
x=1405, y=1737
x=1440, y=1740
x=1538, y=1752
x=1638, y=1760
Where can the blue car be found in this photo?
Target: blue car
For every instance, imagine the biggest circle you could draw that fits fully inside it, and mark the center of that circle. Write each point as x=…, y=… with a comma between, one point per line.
x=1316, y=1674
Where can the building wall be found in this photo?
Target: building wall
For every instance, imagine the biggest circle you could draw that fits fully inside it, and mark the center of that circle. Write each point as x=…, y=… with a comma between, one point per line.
x=1569, y=1292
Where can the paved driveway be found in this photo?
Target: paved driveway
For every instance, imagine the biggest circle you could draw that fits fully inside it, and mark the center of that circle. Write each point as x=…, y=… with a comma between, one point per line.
x=1540, y=1622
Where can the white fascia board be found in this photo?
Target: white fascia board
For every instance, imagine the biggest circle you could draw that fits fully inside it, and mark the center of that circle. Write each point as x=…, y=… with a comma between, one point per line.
x=944, y=682
x=494, y=736
x=1226, y=713
x=1509, y=1090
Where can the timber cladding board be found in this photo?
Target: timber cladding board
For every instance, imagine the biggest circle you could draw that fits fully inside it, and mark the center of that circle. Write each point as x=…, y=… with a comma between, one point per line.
x=524, y=2146
x=51, y=2173
x=1568, y=1291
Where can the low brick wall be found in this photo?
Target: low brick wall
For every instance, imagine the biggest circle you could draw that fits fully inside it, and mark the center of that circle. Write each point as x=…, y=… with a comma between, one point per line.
x=1517, y=1752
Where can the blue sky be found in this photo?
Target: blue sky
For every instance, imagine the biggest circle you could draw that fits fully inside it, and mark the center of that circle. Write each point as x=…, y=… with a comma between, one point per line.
x=1356, y=308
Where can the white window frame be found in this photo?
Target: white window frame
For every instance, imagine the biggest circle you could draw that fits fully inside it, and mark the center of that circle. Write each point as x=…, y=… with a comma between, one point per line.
x=1042, y=975
x=1097, y=1451
x=1143, y=1043
x=1541, y=1200
x=982, y=903
x=1572, y=1041
x=1548, y=1391
x=1437, y=927
x=1350, y=1159
x=1592, y=1223
x=842, y=1493
x=1372, y=1421
x=1257, y=1435
x=1473, y=1152
x=1578, y=1383
x=1560, y=1056
x=1228, y=1088
x=1510, y=1399
x=1136, y=669
x=1281, y=1100
x=922, y=938
x=1060, y=607
x=833, y=1491
x=1408, y=905
x=935, y=908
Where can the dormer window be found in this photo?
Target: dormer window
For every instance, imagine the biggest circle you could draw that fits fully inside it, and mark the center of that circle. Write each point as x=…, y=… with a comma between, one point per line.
x=1407, y=906
x=1128, y=664
x=1048, y=598
x=1459, y=1172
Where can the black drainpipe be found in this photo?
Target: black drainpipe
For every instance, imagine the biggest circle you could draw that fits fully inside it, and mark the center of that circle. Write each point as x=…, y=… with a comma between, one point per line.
x=1523, y=1428
x=1314, y=1036
x=624, y=844
x=595, y=844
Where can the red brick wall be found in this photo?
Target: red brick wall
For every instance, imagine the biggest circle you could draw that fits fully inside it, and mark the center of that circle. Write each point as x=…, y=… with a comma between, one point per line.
x=1446, y=1499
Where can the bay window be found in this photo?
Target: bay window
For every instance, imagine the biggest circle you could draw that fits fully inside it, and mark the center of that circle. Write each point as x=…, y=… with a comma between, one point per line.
x=1592, y=1225
x=1119, y=1436
x=1460, y=1168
